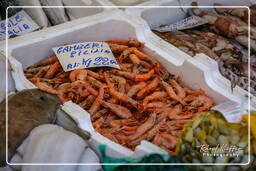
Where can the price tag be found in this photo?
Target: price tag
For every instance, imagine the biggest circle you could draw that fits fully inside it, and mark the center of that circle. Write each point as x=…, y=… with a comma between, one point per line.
x=18, y=24
x=232, y=111
x=85, y=55
x=186, y=23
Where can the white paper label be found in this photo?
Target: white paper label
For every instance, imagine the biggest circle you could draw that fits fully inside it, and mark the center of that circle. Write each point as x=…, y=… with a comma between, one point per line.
x=232, y=111
x=85, y=55
x=18, y=24
x=186, y=23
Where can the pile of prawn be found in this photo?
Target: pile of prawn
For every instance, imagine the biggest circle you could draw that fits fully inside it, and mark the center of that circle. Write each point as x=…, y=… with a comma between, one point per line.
x=141, y=101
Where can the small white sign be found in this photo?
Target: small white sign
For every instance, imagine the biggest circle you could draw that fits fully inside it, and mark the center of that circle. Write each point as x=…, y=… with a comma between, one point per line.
x=19, y=24
x=232, y=111
x=85, y=55
x=186, y=23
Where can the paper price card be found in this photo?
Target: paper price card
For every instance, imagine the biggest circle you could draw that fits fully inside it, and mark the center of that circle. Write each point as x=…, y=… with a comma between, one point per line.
x=18, y=24
x=85, y=55
x=186, y=23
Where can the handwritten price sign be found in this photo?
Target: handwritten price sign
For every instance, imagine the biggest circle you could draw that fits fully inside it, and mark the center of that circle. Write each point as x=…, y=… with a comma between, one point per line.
x=85, y=55
x=19, y=24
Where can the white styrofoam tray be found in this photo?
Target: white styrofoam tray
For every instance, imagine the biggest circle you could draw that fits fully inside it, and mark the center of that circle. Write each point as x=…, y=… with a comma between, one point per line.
x=156, y=16
x=29, y=49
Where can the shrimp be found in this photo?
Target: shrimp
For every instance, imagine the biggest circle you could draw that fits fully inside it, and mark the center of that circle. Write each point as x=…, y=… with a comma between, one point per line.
x=194, y=92
x=156, y=105
x=44, y=62
x=139, y=54
x=136, y=43
x=90, y=89
x=119, y=110
x=174, y=113
x=173, y=125
x=148, y=135
x=94, y=75
x=54, y=68
x=180, y=91
x=135, y=88
x=172, y=94
x=126, y=67
x=118, y=42
x=85, y=104
x=144, y=77
x=35, y=70
x=46, y=87
x=28, y=75
x=145, y=64
x=63, y=75
x=121, y=82
x=158, y=95
x=172, y=140
x=94, y=82
x=135, y=60
x=133, y=76
x=117, y=48
x=98, y=114
x=78, y=74
x=125, y=54
x=205, y=102
x=123, y=122
x=117, y=95
x=149, y=88
x=97, y=124
x=62, y=91
x=98, y=101
x=42, y=71
x=143, y=128
x=132, y=43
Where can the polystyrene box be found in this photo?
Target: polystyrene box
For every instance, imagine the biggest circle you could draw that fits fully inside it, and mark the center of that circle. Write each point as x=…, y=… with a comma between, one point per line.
x=27, y=50
x=170, y=11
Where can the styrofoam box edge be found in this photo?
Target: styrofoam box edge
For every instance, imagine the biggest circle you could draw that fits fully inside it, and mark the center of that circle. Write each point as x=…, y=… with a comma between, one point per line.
x=117, y=150
x=219, y=80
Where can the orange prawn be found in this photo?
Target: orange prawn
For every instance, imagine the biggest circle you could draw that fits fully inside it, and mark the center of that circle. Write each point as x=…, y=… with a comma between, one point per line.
x=143, y=128
x=154, y=96
x=47, y=61
x=135, y=88
x=180, y=91
x=149, y=88
x=98, y=101
x=171, y=93
x=119, y=110
x=78, y=74
x=117, y=95
x=135, y=60
x=194, y=92
x=54, y=68
x=117, y=48
x=135, y=77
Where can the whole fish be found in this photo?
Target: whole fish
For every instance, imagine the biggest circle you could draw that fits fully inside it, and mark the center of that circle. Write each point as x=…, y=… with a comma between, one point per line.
x=26, y=110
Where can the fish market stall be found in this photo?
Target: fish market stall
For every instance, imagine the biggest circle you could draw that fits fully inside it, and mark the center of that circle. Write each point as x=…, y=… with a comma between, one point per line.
x=127, y=89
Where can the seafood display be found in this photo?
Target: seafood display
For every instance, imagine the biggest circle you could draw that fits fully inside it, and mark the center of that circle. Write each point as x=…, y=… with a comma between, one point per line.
x=203, y=133
x=141, y=101
x=225, y=39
